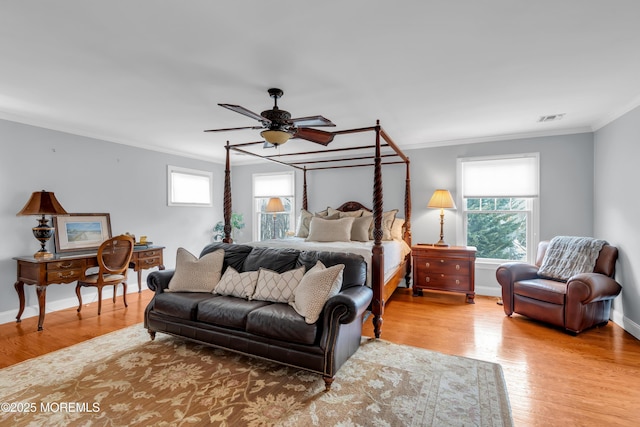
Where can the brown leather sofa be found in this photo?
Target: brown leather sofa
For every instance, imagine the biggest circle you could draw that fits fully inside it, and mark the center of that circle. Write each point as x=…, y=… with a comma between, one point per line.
x=581, y=302
x=272, y=331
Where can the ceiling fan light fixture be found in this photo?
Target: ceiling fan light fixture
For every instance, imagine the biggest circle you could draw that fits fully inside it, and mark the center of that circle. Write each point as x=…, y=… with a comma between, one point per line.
x=275, y=137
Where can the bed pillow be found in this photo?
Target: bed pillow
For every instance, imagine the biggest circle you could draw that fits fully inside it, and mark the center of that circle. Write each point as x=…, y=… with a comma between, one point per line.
x=316, y=287
x=277, y=287
x=341, y=214
x=387, y=222
x=360, y=229
x=305, y=219
x=241, y=285
x=303, y=223
x=333, y=230
x=196, y=275
x=397, y=229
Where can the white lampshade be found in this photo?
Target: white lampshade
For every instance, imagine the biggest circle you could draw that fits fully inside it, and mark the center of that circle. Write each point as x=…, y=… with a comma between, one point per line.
x=441, y=199
x=274, y=205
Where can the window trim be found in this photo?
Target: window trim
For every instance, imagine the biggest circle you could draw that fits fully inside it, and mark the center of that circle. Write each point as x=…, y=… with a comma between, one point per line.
x=533, y=233
x=171, y=170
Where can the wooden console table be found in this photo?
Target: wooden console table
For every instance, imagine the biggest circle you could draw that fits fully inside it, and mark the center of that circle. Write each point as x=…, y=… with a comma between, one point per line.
x=69, y=268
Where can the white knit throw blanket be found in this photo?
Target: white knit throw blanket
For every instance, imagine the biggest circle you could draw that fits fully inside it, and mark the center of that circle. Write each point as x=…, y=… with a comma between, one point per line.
x=567, y=256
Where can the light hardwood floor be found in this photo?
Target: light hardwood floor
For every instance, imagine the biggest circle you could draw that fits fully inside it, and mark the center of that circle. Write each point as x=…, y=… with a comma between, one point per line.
x=553, y=379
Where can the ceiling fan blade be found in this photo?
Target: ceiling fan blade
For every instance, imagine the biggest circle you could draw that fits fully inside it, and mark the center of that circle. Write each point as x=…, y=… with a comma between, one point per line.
x=303, y=122
x=314, y=135
x=245, y=112
x=226, y=129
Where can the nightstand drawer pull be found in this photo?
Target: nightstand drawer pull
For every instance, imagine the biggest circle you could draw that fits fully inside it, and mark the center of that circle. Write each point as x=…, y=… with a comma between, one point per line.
x=427, y=279
x=457, y=281
x=442, y=261
x=427, y=264
x=457, y=266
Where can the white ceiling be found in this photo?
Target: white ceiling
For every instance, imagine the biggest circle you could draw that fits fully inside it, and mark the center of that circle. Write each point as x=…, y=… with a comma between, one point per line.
x=150, y=73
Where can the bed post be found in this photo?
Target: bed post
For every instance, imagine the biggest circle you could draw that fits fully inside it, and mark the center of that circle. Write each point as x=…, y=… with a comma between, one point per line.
x=304, y=189
x=407, y=222
x=377, y=260
x=227, y=199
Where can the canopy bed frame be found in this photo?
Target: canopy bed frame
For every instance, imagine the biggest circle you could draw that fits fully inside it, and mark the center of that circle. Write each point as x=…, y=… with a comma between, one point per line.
x=382, y=290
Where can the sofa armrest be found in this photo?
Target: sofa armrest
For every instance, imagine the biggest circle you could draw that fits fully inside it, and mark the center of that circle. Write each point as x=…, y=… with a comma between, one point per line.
x=591, y=287
x=159, y=280
x=356, y=300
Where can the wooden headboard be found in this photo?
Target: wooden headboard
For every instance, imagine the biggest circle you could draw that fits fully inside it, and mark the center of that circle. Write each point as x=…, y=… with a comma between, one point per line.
x=352, y=206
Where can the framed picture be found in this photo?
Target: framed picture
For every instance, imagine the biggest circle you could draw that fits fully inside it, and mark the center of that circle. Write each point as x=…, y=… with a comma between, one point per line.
x=81, y=231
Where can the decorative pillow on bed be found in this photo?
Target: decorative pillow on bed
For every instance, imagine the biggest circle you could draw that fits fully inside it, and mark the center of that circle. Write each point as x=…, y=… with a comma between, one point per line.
x=341, y=214
x=397, y=229
x=305, y=219
x=277, y=287
x=360, y=229
x=316, y=287
x=241, y=285
x=196, y=275
x=387, y=222
x=334, y=230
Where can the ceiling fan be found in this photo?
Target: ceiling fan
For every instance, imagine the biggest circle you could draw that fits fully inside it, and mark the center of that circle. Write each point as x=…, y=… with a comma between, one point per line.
x=278, y=125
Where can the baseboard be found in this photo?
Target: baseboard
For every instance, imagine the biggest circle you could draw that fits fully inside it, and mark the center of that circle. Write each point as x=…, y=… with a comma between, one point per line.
x=625, y=323
x=63, y=304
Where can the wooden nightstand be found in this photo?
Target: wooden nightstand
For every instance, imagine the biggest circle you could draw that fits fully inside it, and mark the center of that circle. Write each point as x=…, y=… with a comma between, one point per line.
x=444, y=268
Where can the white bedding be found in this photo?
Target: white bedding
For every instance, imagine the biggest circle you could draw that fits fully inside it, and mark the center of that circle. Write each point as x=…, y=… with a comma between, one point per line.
x=394, y=250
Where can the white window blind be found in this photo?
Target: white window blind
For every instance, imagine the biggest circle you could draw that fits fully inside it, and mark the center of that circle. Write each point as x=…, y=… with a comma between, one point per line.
x=273, y=185
x=506, y=178
x=188, y=187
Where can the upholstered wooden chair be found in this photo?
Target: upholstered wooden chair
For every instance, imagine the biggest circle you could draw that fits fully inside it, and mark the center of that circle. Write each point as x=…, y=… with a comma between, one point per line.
x=576, y=304
x=114, y=255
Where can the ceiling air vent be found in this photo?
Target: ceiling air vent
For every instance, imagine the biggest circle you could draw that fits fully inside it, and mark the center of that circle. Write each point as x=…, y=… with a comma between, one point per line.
x=551, y=118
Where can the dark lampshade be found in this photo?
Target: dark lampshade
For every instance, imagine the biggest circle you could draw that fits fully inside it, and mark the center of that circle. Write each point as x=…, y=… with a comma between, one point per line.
x=42, y=203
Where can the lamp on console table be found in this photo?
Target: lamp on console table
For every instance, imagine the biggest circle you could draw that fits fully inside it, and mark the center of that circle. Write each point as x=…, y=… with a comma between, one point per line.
x=42, y=203
x=274, y=206
x=442, y=200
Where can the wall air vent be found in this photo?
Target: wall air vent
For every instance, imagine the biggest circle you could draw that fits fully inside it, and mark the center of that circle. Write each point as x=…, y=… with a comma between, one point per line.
x=551, y=118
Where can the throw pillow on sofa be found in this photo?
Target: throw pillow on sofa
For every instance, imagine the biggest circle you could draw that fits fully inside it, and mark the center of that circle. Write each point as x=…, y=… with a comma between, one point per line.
x=316, y=287
x=196, y=275
x=277, y=287
x=241, y=285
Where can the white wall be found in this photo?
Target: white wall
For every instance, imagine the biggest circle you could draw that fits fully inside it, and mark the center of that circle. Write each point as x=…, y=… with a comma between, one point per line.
x=566, y=206
x=617, y=209
x=89, y=175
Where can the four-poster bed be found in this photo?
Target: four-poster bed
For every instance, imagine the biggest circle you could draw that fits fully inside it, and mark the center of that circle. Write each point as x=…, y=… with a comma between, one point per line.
x=382, y=288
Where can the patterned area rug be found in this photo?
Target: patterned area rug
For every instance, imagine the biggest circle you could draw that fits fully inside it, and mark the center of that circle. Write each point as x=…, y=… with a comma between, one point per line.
x=125, y=379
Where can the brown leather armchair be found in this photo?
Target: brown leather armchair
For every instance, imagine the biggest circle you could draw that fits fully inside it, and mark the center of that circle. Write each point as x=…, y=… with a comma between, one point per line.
x=579, y=303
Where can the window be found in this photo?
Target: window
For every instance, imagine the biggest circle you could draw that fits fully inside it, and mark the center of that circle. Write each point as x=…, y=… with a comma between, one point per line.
x=500, y=206
x=188, y=187
x=268, y=225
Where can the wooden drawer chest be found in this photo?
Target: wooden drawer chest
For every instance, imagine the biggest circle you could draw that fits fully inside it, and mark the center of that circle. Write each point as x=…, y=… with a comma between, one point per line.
x=444, y=268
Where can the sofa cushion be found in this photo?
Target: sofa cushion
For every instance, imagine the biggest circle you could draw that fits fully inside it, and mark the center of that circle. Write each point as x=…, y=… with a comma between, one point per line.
x=542, y=289
x=278, y=260
x=241, y=285
x=281, y=322
x=316, y=287
x=277, y=287
x=196, y=275
x=183, y=305
x=227, y=311
x=234, y=254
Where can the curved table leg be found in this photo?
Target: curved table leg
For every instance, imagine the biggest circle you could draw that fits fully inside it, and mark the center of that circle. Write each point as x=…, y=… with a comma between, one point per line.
x=41, y=291
x=19, y=285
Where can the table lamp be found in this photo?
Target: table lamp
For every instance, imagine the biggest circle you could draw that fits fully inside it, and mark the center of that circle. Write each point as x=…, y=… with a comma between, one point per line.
x=442, y=200
x=42, y=203
x=274, y=206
